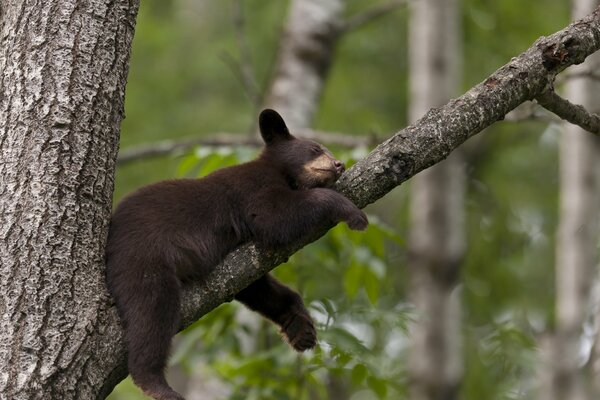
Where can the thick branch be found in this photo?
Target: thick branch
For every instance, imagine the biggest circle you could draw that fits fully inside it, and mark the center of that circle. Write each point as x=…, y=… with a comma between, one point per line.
x=574, y=113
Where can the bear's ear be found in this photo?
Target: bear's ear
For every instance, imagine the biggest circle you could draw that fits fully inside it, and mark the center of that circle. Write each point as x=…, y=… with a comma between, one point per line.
x=272, y=127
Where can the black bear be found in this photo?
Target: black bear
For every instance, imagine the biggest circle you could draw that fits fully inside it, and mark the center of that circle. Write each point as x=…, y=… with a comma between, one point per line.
x=173, y=231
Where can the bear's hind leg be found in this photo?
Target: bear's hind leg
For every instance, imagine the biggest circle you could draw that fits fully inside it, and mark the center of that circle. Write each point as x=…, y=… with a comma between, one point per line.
x=149, y=304
x=283, y=306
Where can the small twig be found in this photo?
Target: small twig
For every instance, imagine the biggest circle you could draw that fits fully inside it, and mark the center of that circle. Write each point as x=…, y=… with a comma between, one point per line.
x=167, y=147
x=573, y=113
x=530, y=110
x=246, y=63
x=236, y=68
x=242, y=68
x=363, y=18
x=585, y=74
x=575, y=75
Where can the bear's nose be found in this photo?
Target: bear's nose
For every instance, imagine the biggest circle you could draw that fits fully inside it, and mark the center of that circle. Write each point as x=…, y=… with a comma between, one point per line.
x=339, y=166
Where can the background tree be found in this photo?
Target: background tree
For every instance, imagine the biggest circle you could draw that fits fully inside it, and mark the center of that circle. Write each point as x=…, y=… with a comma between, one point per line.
x=437, y=238
x=577, y=236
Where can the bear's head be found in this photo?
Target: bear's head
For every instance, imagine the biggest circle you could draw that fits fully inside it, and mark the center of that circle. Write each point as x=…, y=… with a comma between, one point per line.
x=305, y=164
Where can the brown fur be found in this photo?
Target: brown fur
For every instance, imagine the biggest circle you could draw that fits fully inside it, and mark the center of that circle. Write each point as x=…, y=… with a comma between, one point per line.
x=179, y=230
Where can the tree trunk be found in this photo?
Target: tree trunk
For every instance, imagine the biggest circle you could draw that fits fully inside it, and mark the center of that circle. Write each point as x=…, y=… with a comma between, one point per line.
x=63, y=67
x=577, y=237
x=437, y=241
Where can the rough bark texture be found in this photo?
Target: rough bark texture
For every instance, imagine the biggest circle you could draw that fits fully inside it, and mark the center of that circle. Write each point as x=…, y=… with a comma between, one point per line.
x=63, y=69
x=577, y=237
x=305, y=54
x=62, y=339
x=437, y=242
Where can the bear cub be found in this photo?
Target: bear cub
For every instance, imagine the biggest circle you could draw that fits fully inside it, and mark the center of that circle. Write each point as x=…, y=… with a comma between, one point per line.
x=179, y=230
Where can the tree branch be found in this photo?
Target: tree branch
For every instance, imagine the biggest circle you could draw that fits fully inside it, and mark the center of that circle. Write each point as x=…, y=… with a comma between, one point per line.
x=167, y=147
x=245, y=66
x=574, y=113
x=529, y=111
x=359, y=20
x=584, y=74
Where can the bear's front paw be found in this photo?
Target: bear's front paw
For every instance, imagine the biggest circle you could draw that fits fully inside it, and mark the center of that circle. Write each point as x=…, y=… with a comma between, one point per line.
x=357, y=221
x=300, y=332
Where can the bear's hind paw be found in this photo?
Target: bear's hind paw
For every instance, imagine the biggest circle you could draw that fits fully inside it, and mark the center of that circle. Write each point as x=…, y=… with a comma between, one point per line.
x=300, y=332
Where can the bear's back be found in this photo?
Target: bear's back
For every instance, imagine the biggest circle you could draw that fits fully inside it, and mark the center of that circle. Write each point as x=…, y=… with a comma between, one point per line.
x=188, y=224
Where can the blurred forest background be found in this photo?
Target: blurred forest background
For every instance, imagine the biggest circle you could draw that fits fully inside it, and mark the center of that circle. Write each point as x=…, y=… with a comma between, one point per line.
x=200, y=69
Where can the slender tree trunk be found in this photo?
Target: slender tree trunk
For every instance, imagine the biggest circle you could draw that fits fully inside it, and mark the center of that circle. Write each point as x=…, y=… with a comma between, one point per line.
x=305, y=55
x=63, y=67
x=577, y=237
x=437, y=228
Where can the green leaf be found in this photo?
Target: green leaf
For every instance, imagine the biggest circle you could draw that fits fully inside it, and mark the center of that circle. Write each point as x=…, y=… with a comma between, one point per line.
x=214, y=162
x=371, y=284
x=379, y=386
x=359, y=374
x=343, y=342
x=186, y=165
x=352, y=280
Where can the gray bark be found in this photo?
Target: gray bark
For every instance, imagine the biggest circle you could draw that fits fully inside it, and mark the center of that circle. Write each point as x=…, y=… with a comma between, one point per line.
x=437, y=242
x=577, y=236
x=63, y=67
x=62, y=339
